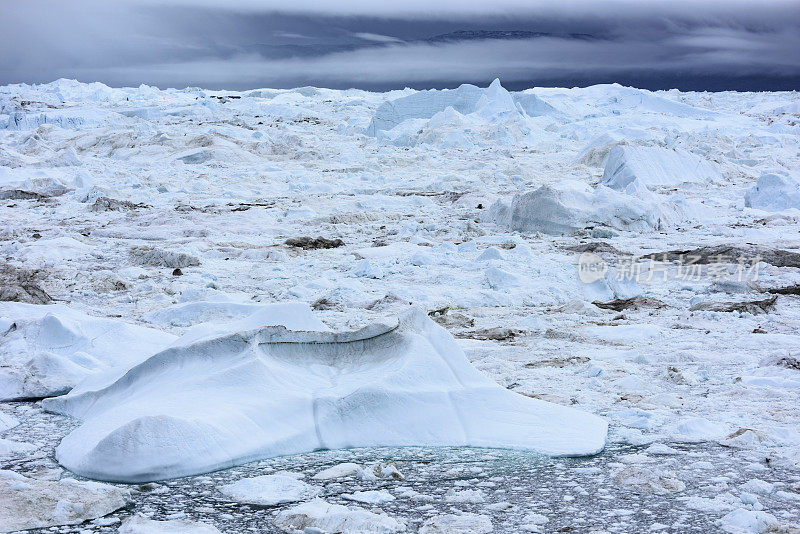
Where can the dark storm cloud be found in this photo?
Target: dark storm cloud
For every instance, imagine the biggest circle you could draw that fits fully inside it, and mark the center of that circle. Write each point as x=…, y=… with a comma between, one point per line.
x=257, y=43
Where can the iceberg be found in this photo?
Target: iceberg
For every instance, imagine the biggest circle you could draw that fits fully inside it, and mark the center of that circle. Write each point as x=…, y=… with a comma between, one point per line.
x=212, y=402
x=138, y=524
x=457, y=118
x=424, y=105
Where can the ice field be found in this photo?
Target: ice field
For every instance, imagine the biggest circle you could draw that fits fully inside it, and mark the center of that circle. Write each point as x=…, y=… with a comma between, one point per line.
x=444, y=311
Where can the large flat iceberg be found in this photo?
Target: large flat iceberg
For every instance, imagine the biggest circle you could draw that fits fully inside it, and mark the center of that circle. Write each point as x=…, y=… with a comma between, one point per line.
x=225, y=399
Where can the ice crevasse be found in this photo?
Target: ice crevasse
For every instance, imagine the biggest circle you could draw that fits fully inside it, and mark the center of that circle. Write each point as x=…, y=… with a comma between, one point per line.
x=212, y=402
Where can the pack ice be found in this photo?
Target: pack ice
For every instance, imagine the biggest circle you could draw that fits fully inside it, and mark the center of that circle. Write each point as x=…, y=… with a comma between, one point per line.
x=47, y=349
x=211, y=402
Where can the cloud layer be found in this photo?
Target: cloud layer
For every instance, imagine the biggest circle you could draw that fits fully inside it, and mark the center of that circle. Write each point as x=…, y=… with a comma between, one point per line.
x=249, y=43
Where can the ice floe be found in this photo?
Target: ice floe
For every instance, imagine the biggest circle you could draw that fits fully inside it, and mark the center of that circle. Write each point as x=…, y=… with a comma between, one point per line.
x=270, y=490
x=138, y=524
x=28, y=503
x=464, y=523
x=321, y=516
x=742, y=521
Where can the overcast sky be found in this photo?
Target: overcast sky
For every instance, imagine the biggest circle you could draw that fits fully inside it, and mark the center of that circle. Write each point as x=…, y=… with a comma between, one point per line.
x=238, y=44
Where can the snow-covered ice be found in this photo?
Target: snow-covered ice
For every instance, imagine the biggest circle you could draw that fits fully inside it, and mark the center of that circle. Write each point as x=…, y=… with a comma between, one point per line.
x=774, y=192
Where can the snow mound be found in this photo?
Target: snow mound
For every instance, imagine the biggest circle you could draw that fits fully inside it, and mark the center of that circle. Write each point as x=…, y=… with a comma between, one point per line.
x=138, y=524
x=262, y=392
x=270, y=490
x=28, y=503
x=571, y=206
x=320, y=516
x=773, y=192
x=47, y=349
x=655, y=167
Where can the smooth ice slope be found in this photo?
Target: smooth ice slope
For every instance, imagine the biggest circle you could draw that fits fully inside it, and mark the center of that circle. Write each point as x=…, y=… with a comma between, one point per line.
x=47, y=349
x=265, y=392
x=655, y=167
